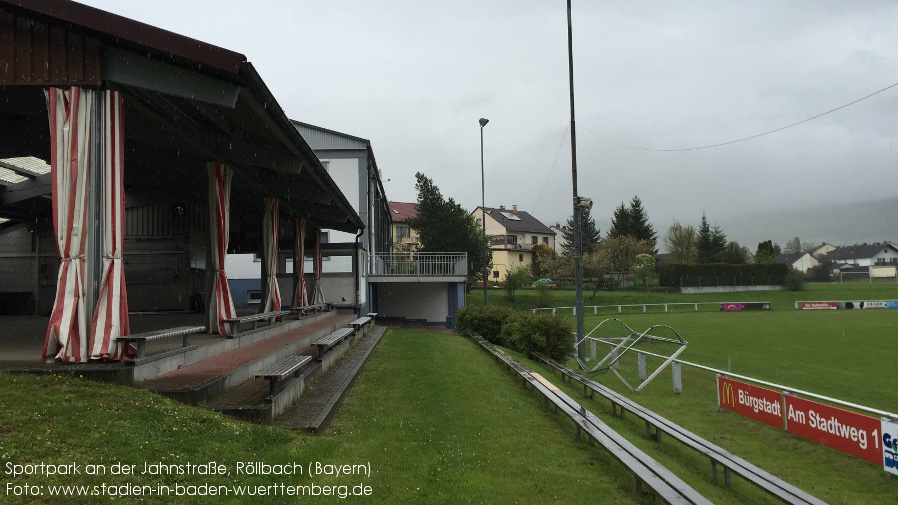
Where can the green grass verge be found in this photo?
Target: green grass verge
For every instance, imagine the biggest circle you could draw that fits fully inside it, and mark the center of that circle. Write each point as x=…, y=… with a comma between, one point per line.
x=437, y=419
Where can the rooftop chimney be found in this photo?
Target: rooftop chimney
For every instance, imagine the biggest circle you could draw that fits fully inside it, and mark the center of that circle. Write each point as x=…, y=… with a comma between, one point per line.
x=514, y=209
x=501, y=207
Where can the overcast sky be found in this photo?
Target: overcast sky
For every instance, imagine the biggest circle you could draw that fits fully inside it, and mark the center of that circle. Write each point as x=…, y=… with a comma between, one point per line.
x=414, y=77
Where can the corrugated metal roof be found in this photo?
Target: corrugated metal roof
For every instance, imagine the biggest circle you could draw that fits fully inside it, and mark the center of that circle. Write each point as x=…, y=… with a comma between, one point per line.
x=322, y=138
x=7, y=175
x=30, y=164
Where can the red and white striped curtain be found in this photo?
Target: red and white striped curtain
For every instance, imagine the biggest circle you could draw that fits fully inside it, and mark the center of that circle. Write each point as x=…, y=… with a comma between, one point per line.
x=110, y=318
x=301, y=297
x=221, y=306
x=270, y=235
x=71, y=122
x=318, y=296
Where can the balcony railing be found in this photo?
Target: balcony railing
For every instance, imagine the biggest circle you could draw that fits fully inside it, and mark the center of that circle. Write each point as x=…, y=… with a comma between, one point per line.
x=421, y=264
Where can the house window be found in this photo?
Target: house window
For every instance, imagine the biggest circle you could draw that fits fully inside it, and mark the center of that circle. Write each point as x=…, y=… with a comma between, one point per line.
x=495, y=274
x=402, y=232
x=534, y=240
x=546, y=240
x=521, y=258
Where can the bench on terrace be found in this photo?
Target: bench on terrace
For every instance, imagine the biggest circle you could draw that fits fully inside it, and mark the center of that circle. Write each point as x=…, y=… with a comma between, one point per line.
x=140, y=339
x=327, y=343
x=312, y=309
x=280, y=371
x=361, y=322
x=254, y=318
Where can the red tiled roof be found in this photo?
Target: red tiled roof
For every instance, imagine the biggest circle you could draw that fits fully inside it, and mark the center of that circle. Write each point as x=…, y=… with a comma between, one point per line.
x=402, y=212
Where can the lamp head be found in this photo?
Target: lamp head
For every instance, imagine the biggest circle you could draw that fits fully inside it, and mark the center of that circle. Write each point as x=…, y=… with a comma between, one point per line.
x=583, y=202
x=483, y=122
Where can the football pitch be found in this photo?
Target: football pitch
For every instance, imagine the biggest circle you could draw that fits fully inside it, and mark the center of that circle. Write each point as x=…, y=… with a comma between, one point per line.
x=844, y=354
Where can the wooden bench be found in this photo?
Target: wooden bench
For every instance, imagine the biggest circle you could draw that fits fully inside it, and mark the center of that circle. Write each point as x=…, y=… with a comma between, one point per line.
x=716, y=454
x=329, y=342
x=277, y=373
x=140, y=339
x=255, y=318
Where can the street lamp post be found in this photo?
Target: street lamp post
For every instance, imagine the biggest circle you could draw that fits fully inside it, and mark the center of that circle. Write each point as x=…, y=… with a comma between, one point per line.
x=578, y=204
x=483, y=122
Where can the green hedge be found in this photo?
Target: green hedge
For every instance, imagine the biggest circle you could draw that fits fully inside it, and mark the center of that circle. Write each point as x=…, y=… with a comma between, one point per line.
x=545, y=333
x=484, y=320
x=522, y=331
x=722, y=274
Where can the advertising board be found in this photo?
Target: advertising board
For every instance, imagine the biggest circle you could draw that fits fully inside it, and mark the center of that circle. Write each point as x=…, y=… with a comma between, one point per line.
x=731, y=307
x=890, y=446
x=819, y=306
x=760, y=404
x=847, y=431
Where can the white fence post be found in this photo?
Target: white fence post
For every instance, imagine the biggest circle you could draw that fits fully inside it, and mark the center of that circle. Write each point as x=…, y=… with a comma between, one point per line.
x=677, y=377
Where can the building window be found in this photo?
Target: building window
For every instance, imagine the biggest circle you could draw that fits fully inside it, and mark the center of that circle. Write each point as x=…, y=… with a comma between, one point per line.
x=521, y=258
x=534, y=240
x=402, y=232
x=546, y=240
x=495, y=274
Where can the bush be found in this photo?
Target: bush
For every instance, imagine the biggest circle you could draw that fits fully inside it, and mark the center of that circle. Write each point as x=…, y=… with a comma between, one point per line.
x=818, y=273
x=528, y=333
x=794, y=280
x=543, y=289
x=516, y=278
x=721, y=274
x=484, y=320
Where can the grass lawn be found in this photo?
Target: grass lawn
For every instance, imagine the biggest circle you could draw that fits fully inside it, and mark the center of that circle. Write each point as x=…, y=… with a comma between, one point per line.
x=437, y=419
x=440, y=422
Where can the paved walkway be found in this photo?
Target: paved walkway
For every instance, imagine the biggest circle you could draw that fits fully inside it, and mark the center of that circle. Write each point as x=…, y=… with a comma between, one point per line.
x=315, y=409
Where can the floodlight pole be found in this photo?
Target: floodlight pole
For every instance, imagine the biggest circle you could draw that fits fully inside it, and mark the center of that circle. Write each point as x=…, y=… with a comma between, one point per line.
x=578, y=266
x=483, y=122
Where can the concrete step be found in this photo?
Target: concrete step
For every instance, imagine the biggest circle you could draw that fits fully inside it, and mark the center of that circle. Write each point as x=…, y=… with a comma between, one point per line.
x=208, y=378
x=315, y=409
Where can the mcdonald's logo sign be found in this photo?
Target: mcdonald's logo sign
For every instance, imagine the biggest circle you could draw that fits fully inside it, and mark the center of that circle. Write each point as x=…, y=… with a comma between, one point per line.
x=758, y=403
x=727, y=397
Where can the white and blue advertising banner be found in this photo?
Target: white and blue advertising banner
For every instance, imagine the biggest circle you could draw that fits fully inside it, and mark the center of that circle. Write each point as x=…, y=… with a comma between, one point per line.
x=890, y=445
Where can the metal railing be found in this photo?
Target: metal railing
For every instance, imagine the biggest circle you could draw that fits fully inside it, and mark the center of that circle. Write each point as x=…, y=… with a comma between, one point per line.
x=420, y=264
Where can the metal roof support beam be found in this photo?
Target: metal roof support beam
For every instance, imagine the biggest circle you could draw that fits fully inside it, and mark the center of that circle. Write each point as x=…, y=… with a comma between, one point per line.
x=36, y=187
x=131, y=69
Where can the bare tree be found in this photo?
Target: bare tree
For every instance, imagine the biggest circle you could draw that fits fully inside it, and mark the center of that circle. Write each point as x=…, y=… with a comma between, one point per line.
x=681, y=243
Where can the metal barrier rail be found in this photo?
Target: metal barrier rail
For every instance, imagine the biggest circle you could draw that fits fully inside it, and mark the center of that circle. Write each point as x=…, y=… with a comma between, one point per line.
x=717, y=455
x=420, y=264
x=881, y=413
x=595, y=308
x=646, y=470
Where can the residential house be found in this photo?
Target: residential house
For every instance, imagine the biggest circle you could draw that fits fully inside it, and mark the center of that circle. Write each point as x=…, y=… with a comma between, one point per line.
x=822, y=250
x=513, y=233
x=801, y=261
x=559, y=230
x=405, y=238
x=880, y=260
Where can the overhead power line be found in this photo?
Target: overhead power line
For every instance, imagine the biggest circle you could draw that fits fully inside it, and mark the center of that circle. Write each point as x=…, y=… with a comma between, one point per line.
x=553, y=168
x=638, y=148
